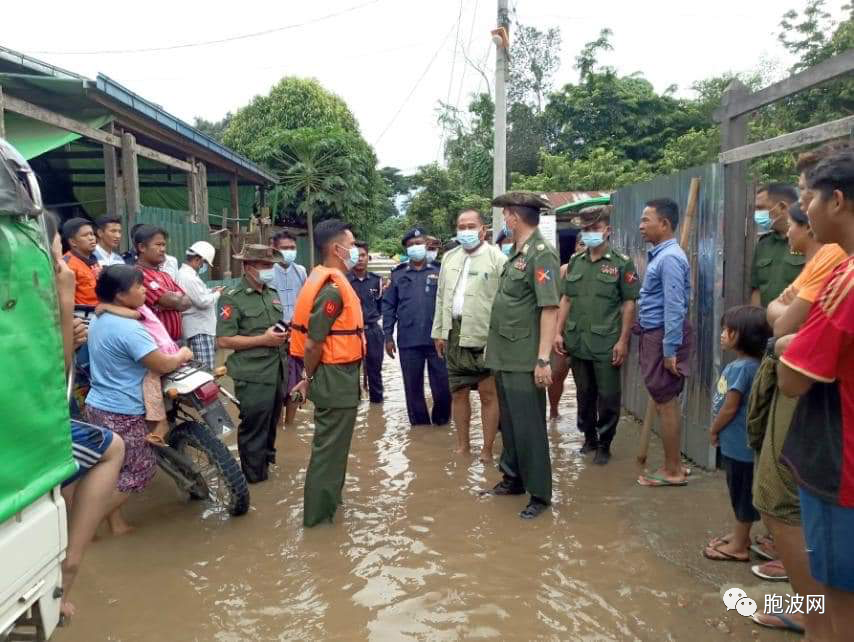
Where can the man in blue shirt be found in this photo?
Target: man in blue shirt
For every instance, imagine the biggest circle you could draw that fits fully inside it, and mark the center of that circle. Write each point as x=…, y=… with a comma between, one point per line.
x=288, y=280
x=410, y=302
x=369, y=288
x=665, y=334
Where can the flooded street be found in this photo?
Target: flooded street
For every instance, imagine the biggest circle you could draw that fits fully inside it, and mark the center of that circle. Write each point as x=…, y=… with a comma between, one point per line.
x=417, y=554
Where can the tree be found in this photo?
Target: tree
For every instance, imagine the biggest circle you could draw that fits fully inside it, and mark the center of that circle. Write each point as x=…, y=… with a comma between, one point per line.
x=440, y=199
x=214, y=129
x=534, y=59
x=604, y=169
x=587, y=60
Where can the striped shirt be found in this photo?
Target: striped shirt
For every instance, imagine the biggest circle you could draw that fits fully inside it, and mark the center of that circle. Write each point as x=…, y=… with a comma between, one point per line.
x=157, y=284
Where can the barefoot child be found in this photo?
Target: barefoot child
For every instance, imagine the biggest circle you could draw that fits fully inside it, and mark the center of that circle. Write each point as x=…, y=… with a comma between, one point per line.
x=152, y=389
x=745, y=332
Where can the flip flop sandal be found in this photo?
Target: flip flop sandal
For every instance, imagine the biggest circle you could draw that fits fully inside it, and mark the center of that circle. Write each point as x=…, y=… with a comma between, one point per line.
x=785, y=623
x=761, y=552
x=757, y=570
x=717, y=555
x=655, y=481
x=717, y=541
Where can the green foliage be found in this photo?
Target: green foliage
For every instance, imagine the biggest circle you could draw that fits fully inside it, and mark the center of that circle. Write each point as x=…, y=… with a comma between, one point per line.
x=534, y=59
x=587, y=60
x=603, y=169
x=214, y=129
x=440, y=199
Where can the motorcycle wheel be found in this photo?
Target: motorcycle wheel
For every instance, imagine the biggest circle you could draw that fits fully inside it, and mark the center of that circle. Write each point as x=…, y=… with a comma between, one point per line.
x=224, y=481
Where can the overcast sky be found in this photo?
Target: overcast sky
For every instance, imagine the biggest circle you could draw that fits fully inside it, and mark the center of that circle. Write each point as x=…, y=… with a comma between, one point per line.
x=375, y=53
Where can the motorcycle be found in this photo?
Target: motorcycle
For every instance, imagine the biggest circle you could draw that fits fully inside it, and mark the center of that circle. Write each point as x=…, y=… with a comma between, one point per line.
x=195, y=457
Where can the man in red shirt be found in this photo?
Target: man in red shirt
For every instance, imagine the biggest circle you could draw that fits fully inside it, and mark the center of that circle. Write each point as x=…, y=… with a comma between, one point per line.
x=817, y=365
x=79, y=235
x=165, y=297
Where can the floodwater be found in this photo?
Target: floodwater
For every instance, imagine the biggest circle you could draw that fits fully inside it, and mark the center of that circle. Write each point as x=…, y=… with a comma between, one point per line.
x=416, y=553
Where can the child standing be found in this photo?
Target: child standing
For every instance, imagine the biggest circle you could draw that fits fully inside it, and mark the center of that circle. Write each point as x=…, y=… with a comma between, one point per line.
x=745, y=332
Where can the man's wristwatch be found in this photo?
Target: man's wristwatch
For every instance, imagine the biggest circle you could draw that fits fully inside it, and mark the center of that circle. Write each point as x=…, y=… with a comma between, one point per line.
x=542, y=363
x=307, y=378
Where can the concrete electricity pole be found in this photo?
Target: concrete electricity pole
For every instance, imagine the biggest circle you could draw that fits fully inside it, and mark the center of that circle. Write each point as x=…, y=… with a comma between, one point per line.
x=501, y=38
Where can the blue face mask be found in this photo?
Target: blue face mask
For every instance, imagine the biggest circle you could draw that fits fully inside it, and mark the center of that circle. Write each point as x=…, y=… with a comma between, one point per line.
x=416, y=253
x=506, y=248
x=265, y=276
x=432, y=255
x=289, y=256
x=203, y=269
x=592, y=239
x=763, y=220
x=469, y=239
x=506, y=229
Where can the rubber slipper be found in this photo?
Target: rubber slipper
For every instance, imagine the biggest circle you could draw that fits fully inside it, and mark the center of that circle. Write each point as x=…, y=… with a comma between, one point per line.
x=655, y=480
x=759, y=570
x=156, y=440
x=761, y=552
x=717, y=555
x=717, y=541
x=785, y=623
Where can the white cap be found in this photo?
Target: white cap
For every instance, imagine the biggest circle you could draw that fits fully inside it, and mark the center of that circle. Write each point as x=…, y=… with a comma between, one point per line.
x=204, y=250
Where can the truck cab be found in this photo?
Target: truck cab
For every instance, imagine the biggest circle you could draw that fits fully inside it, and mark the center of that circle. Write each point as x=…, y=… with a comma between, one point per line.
x=35, y=436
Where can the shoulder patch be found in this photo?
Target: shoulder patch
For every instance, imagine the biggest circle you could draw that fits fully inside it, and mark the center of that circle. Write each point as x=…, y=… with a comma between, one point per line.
x=330, y=308
x=225, y=312
x=630, y=277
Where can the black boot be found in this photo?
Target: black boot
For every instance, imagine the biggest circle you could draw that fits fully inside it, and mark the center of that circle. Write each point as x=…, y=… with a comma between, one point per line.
x=534, y=508
x=603, y=456
x=589, y=446
x=507, y=487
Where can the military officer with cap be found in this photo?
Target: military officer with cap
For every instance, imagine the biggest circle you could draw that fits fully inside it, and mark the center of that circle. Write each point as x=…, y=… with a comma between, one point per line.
x=597, y=311
x=518, y=349
x=409, y=303
x=775, y=265
x=246, y=324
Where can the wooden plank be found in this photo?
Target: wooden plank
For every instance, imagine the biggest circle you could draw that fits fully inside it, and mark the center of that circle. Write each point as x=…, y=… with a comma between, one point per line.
x=51, y=118
x=115, y=204
x=192, y=192
x=235, y=197
x=2, y=118
x=130, y=177
x=202, y=177
x=809, y=136
x=736, y=266
x=825, y=71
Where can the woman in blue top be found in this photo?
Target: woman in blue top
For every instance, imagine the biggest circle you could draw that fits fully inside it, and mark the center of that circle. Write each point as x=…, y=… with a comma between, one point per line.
x=121, y=352
x=746, y=333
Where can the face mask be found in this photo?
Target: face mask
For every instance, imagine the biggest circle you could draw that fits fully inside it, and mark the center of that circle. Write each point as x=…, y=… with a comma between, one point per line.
x=416, y=253
x=507, y=248
x=468, y=238
x=432, y=255
x=763, y=220
x=203, y=269
x=266, y=276
x=352, y=256
x=592, y=239
x=289, y=256
x=506, y=230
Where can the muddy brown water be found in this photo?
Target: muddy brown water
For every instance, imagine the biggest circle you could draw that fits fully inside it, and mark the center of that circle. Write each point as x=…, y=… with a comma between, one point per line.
x=417, y=554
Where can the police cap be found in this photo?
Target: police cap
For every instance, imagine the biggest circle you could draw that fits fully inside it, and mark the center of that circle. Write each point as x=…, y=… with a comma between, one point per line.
x=415, y=232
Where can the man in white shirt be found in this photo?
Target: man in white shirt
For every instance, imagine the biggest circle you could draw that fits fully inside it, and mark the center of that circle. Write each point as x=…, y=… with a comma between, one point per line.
x=199, y=322
x=109, y=233
x=170, y=266
x=468, y=283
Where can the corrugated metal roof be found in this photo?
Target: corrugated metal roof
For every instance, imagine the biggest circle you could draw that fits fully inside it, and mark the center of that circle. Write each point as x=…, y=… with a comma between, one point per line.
x=559, y=199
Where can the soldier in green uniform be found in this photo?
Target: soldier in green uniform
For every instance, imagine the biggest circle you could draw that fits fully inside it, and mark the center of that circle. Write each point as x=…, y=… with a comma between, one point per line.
x=597, y=311
x=246, y=324
x=518, y=349
x=328, y=333
x=775, y=264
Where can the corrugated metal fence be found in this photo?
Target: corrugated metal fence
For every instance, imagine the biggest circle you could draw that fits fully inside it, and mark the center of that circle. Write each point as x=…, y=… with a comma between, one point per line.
x=706, y=254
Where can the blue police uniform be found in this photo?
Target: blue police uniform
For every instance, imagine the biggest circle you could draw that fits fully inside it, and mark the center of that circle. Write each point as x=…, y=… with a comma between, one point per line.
x=369, y=291
x=410, y=302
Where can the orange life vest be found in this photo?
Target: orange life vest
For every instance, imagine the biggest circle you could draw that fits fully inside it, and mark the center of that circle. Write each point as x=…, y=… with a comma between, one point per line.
x=346, y=340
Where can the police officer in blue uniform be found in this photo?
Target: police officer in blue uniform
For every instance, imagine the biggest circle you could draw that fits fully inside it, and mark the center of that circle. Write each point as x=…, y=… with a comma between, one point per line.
x=410, y=302
x=369, y=289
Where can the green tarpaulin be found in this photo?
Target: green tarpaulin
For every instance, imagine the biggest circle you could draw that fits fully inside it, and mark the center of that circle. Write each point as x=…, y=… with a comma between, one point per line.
x=33, y=138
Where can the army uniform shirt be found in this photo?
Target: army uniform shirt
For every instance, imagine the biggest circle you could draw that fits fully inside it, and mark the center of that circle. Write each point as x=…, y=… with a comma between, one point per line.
x=529, y=282
x=596, y=291
x=244, y=311
x=333, y=385
x=774, y=267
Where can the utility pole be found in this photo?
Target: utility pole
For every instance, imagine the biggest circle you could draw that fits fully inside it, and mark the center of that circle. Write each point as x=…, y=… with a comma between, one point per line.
x=501, y=38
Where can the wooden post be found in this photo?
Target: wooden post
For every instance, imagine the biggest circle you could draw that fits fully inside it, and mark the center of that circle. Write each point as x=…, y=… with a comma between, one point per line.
x=736, y=206
x=202, y=176
x=112, y=189
x=2, y=117
x=235, y=197
x=225, y=246
x=193, y=191
x=130, y=177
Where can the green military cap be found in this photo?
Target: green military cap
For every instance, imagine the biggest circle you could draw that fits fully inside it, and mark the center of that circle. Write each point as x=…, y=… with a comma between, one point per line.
x=522, y=199
x=260, y=253
x=591, y=215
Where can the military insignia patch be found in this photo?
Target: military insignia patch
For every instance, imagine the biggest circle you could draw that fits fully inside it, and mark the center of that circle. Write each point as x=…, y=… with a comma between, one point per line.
x=631, y=277
x=610, y=270
x=520, y=264
x=543, y=275
x=330, y=309
x=225, y=312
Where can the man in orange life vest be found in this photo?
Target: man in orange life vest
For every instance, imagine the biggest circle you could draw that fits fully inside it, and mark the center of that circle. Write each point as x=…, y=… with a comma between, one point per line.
x=327, y=333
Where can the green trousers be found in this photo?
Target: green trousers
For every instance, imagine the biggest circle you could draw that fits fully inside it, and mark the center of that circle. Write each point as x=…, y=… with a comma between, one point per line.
x=333, y=431
x=525, y=457
x=598, y=393
x=260, y=412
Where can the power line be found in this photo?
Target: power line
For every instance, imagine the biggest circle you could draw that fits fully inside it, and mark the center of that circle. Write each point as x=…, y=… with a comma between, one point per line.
x=451, y=80
x=415, y=86
x=206, y=43
x=468, y=51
